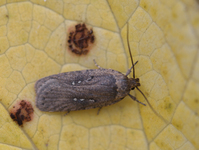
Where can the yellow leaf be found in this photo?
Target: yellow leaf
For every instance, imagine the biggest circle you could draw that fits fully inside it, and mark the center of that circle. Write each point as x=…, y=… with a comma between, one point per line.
x=163, y=36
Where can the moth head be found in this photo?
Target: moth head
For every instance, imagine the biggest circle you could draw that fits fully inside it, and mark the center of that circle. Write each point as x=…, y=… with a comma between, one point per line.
x=134, y=82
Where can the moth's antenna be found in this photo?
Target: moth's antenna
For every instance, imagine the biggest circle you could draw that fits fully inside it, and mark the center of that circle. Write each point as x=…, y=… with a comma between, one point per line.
x=134, y=77
x=130, y=50
x=151, y=106
x=146, y=99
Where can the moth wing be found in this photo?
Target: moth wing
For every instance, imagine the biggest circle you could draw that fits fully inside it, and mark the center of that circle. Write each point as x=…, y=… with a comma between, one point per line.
x=75, y=90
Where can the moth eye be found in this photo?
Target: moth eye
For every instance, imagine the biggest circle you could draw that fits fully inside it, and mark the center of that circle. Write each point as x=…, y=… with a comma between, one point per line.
x=42, y=103
x=132, y=88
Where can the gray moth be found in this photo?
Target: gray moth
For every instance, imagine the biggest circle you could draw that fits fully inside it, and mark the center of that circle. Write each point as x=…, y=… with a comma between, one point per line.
x=84, y=89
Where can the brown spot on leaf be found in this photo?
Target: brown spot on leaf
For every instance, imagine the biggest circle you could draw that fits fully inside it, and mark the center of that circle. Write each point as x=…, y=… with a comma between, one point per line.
x=80, y=39
x=22, y=112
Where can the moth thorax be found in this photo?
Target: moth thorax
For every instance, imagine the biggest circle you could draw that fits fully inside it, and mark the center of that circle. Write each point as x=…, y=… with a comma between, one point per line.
x=134, y=82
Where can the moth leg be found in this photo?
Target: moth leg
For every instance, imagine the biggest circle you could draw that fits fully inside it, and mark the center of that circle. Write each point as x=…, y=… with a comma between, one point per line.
x=99, y=110
x=129, y=71
x=134, y=98
x=97, y=64
x=67, y=113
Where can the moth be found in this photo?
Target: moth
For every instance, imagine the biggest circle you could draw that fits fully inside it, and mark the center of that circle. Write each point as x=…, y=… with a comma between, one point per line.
x=86, y=89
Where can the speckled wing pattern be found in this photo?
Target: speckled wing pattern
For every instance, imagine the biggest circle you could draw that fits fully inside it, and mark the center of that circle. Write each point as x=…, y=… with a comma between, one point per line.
x=76, y=90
